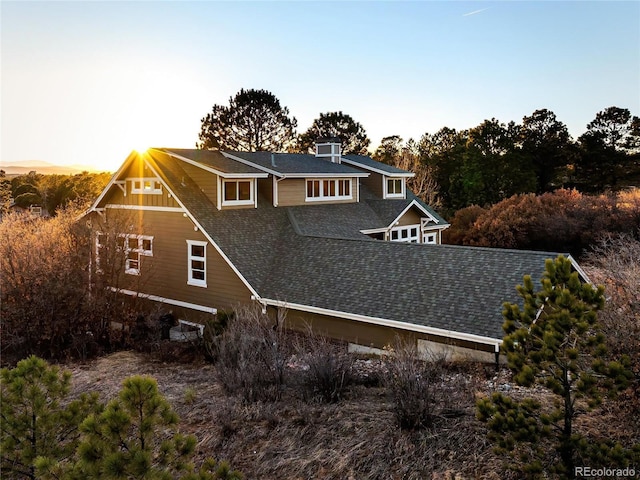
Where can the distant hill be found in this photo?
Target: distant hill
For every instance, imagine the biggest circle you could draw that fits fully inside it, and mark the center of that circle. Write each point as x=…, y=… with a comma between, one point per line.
x=45, y=168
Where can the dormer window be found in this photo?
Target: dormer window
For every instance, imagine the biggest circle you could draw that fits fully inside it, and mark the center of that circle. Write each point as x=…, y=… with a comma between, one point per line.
x=394, y=188
x=339, y=189
x=237, y=192
x=146, y=186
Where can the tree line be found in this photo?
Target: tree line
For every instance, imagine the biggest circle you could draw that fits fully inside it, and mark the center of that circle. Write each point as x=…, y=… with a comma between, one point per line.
x=52, y=192
x=455, y=168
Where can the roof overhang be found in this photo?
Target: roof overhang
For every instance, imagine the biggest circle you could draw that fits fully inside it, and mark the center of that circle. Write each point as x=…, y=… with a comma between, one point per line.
x=415, y=203
x=215, y=170
x=469, y=337
x=378, y=170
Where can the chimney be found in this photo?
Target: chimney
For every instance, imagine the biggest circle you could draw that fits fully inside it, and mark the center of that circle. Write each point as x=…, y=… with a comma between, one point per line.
x=328, y=149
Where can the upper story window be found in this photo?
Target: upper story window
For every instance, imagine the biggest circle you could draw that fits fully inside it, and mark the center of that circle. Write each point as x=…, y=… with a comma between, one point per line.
x=197, y=263
x=339, y=189
x=237, y=192
x=135, y=246
x=409, y=233
x=394, y=188
x=146, y=186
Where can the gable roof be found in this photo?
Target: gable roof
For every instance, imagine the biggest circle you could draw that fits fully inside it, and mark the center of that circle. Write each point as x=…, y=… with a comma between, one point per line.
x=310, y=258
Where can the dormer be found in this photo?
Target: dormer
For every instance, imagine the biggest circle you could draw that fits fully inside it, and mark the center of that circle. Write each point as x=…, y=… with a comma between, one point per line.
x=394, y=187
x=329, y=149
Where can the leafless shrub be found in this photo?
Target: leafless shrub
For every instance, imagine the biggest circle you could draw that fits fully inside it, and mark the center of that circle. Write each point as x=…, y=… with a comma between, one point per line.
x=328, y=368
x=615, y=263
x=251, y=355
x=418, y=386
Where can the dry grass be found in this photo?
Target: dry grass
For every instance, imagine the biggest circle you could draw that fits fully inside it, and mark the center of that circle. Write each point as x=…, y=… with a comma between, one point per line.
x=356, y=438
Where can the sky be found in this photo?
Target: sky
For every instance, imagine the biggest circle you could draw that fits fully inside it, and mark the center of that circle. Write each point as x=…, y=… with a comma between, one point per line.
x=86, y=82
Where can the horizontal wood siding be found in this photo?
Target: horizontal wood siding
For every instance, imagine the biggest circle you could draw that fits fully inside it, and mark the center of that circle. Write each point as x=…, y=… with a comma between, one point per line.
x=165, y=273
x=374, y=183
x=366, y=334
x=411, y=217
x=293, y=191
x=118, y=197
x=207, y=181
x=265, y=190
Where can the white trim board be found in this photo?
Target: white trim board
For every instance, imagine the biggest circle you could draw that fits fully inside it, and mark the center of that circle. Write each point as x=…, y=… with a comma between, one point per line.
x=206, y=234
x=469, y=337
x=376, y=170
x=150, y=208
x=169, y=301
x=211, y=169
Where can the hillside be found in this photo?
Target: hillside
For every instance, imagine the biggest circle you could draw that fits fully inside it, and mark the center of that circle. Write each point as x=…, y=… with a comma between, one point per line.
x=356, y=438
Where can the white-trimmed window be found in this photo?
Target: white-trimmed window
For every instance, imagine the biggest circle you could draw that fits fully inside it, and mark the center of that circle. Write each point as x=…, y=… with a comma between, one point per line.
x=339, y=189
x=394, y=187
x=237, y=192
x=197, y=263
x=101, y=242
x=408, y=233
x=431, y=238
x=146, y=186
x=135, y=247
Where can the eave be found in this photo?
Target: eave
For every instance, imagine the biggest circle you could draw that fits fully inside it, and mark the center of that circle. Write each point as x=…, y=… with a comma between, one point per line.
x=377, y=170
x=214, y=170
x=469, y=337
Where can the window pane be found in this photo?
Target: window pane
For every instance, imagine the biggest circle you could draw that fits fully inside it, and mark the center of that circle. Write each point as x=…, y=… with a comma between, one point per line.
x=146, y=244
x=332, y=189
x=197, y=275
x=132, y=242
x=324, y=149
x=405, y=233
x=244, y=191
x=309, y=189
x=347, y=189
x=147, y=185
x=197, y=264
x=394, y=235
x=197, y=251
x=230, y=191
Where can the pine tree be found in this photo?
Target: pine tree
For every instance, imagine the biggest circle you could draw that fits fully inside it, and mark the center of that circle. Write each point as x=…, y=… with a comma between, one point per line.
x=33, y=421
x=135, y=437
x=554, y=342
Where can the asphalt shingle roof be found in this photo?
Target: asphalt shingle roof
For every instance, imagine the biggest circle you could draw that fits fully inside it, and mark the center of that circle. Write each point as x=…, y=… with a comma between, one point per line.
x=368, y=162
x=213, y=159
x=310, y=256
x=296, y=163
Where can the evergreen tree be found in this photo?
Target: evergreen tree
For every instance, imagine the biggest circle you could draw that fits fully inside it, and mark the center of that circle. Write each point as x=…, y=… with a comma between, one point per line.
x=335, y=124
x=253, y=121
x=33, y=421
x=135, y=437
x=554, y=341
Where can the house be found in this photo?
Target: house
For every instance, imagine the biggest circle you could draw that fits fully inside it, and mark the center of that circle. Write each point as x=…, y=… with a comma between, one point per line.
x=337, y=240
